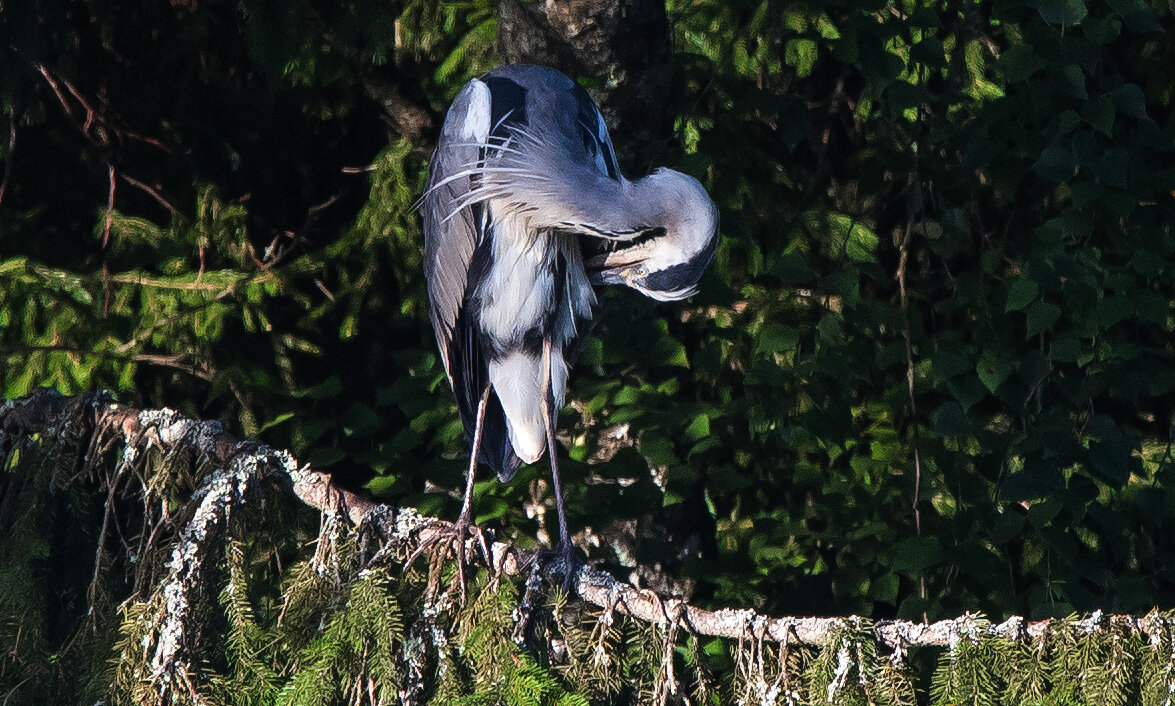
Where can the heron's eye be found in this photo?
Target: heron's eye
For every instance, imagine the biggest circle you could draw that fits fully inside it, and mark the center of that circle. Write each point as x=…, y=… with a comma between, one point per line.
x=639, y=271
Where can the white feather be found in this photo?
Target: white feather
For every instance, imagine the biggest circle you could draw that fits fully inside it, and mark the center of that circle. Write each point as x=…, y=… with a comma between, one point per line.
x=517, y=379
x=476, y=125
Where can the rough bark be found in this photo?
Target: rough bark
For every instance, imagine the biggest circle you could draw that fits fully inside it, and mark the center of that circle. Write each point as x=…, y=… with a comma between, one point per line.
x=621, y=46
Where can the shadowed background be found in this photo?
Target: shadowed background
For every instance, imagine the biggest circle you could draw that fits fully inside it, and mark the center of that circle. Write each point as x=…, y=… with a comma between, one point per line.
x=931, y=369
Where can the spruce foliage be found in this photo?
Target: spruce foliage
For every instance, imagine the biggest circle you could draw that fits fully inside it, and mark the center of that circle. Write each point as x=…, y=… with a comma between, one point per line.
x=282, y=606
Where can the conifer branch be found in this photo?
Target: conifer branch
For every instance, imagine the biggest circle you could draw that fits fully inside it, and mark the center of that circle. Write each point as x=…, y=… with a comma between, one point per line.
x=244, y=464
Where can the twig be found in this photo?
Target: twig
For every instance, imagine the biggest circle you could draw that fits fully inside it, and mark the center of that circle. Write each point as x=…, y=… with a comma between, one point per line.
x=8, y=158
x=152, y=193
x=903, y=260
x=92, y=115
x=109, y=207
x=204, y=372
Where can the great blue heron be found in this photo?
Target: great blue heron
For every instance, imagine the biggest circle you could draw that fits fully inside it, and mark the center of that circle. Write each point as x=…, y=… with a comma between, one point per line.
x=524, y=176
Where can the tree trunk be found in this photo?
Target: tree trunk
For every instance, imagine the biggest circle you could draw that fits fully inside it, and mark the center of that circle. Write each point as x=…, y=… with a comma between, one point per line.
x=619, y=48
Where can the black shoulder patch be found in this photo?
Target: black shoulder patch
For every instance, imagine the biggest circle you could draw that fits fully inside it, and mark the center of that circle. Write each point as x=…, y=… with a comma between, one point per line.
x=588, y=121
x=507, y=103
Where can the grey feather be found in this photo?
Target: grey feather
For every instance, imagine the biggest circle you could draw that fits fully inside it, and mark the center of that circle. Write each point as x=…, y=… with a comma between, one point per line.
x=524, y=172
x=449, y=242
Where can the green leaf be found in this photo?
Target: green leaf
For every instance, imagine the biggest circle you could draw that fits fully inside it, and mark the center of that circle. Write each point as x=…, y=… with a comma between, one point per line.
x=698, y=429
x=949, y=361
x=1042, y=513
x=1113, y=309
x=951, y=420
x=992, y=371
x=1018, y=62
x=275, y=421
x=916, y=554
x=885, y=589
x=1111, y=459
x=1113, y=168
x=1056, y=162
x=1137, y=14
x=1041, y=316
x=774, y=338
x=1130, y=101
x=331, y=387
x=1061, y=12
x=1100, y=114
x=1021, y=294
x=862, y=244
x=1071, y=82
x=1064, y=349
x=800, y=54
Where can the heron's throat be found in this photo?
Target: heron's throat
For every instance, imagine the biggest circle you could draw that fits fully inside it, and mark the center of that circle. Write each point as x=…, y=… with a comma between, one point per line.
x=647, y=203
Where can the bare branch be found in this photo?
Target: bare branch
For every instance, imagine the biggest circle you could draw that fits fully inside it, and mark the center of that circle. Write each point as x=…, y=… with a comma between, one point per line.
x=153, y=193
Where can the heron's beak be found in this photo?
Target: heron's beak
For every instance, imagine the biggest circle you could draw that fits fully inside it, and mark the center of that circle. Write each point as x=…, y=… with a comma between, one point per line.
x=615, y=275
x=610, y=268
x=615, y=259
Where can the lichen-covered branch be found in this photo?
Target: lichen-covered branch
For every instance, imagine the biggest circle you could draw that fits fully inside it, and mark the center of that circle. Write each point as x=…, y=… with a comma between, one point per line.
x=245, y=461
x=232, y=476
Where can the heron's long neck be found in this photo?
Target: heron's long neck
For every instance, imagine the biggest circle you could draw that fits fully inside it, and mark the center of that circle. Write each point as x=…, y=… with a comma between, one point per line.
x=592, y=203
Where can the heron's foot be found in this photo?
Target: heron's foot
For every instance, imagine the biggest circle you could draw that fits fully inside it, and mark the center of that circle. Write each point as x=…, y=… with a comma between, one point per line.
x=563, y=563
x=559, y=565
x=456, y=539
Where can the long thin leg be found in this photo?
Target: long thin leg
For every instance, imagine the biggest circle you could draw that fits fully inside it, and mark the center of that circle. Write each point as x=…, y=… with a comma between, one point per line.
x=467, y=504
x=565, y=546
x=464, y=522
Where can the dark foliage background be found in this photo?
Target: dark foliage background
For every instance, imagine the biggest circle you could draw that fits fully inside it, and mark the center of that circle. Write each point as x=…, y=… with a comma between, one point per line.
x=930, y=371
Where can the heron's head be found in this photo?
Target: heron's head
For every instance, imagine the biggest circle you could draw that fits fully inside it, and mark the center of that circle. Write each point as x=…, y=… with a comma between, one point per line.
x=666, y=263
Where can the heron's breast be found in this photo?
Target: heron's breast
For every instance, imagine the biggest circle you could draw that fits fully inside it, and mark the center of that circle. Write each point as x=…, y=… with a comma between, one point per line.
x=532, y=287
x=516, y=291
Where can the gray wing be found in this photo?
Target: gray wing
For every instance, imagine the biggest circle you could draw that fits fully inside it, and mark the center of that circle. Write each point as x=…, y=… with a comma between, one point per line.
x=457, y=236
x=451, y=239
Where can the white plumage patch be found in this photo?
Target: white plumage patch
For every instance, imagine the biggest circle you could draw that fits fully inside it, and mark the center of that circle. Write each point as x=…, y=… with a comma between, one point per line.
x=517, y=290
x=476, y=125
x=517, y=379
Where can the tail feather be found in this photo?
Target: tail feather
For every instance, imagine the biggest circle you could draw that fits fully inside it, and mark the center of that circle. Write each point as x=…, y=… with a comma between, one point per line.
x=496, y=450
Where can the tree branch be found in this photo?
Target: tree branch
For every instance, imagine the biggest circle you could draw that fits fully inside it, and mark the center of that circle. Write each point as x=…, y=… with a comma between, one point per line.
x=244, y=465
